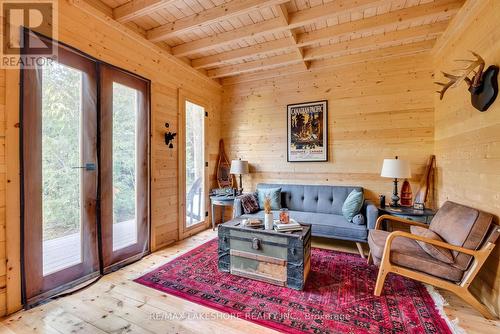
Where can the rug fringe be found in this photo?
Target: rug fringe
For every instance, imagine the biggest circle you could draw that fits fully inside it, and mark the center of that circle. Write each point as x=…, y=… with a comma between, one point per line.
x=440, y=302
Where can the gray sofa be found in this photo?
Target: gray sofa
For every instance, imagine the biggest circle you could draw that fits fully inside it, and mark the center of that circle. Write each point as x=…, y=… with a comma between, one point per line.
x=321, y=207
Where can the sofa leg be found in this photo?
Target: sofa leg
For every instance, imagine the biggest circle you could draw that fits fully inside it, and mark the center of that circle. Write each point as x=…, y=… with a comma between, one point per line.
x=360, y=249
x=370, y=258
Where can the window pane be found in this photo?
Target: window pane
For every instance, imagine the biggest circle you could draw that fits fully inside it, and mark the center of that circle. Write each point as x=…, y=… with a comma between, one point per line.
x=61, y=191
x=124, y=166
x=195, y=164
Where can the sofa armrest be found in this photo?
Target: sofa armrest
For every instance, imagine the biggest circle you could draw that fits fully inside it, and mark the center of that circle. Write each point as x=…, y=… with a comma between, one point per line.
x=237, y=208
x=371, y=214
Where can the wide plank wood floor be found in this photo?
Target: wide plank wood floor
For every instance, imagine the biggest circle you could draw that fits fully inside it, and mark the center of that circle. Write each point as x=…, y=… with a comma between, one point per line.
x=116, y=304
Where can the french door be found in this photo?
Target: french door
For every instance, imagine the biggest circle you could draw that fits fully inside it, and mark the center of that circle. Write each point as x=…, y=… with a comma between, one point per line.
x=192, y=165
x=124, y=166
x=59, y=136
x=85, y=171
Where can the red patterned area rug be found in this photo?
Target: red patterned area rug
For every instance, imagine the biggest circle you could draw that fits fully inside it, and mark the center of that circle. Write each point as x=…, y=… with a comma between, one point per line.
x=338, y=297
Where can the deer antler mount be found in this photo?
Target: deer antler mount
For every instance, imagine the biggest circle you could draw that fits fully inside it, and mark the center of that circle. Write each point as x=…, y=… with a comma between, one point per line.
x=483, y=86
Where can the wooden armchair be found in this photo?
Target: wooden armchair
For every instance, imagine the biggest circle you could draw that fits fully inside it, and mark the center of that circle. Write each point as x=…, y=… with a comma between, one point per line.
x=467, y=234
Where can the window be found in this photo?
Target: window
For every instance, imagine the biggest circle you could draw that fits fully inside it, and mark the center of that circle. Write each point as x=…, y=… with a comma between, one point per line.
x=195, y=163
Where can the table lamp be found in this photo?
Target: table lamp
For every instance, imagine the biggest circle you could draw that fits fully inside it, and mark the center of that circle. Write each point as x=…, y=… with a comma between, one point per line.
x=395, y=169
x=239, y=167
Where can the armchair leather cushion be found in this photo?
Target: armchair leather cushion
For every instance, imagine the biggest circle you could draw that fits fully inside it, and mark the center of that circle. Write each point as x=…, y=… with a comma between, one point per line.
x=407, y=253
x=439, y=253
x=461, y=226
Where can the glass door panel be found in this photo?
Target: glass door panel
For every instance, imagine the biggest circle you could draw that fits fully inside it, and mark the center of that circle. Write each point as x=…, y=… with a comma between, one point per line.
x=61, y=175
x=124, y=166
x=195, y=164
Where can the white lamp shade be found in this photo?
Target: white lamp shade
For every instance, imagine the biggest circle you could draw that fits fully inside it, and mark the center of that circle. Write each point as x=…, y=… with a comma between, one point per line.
x=239, y=167
x=396, y=169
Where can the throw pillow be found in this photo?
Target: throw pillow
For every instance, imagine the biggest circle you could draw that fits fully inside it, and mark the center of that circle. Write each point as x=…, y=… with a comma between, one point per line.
x=439, y=253
x=352, y=204
x=358, y=219
x=273, y=193
x=249, y=203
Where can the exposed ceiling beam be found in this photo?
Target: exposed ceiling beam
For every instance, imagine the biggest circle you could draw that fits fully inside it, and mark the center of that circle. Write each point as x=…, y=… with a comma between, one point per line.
x=337, y=50
x=213, y=15
x=402, y=16
x=251, y=66
x=428, y=31
x=285, y=17
x=372, y=56
x=332, y=9
x=422, y=12
x=135, y=9
x=225, y=38
x=282, y=44
x=381, y=54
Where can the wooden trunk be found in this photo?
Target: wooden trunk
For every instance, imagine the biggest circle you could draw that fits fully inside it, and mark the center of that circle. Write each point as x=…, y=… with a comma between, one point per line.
x=278, y=258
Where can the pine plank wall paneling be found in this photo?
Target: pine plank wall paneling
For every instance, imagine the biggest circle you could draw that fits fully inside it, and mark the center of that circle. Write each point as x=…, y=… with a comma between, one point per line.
x=467, y=142
x=376, y=110
x=106, y=41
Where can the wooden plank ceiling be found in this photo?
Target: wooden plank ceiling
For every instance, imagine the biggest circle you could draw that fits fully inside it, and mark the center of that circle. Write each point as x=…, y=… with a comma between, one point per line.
x=225, y=38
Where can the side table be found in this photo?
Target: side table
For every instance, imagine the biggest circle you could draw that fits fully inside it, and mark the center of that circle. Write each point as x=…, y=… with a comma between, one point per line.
x=221, y=201
x=423, y=216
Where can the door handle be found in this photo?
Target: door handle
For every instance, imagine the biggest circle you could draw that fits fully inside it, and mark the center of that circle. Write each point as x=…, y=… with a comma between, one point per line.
x=88, y=166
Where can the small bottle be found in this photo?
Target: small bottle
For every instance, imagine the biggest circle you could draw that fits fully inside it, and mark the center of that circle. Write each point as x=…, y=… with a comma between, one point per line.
x=382, y=201
x=284, y=217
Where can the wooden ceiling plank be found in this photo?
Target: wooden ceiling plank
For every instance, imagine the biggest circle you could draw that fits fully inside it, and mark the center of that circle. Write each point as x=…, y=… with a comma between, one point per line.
x=135, y=9
x=223, y=12
x=402, y=16
x=285, y=60
x=275, y=25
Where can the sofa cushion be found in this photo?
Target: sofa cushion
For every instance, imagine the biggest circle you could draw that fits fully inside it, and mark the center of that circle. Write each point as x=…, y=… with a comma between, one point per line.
x=407, y=253
x=439, y=253
x=273, y=193
x=352, y=205
x=461, y=226
x=358, y=219
x=312, y=198
x=322, y=224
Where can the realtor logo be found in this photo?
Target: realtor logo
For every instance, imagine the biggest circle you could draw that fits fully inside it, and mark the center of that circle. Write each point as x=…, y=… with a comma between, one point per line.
x=39, y=17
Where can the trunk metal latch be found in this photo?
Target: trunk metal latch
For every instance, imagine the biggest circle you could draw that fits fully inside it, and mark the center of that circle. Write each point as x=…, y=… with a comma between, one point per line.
x=256, y=243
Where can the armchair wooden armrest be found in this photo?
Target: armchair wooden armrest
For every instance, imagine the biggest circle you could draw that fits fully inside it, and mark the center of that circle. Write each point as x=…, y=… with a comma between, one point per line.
x=397, y=219
x=434, y=242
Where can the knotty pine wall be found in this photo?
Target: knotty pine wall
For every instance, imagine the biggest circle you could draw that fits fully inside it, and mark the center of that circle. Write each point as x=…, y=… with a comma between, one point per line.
x=377, y=110
x=93, y=33
x=467, y=142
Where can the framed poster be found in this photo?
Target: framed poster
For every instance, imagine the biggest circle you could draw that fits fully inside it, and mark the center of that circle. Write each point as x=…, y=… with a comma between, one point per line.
x=307, y=125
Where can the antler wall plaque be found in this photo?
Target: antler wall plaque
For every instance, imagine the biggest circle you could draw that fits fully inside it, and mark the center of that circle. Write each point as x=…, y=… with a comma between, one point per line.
x=483, y=86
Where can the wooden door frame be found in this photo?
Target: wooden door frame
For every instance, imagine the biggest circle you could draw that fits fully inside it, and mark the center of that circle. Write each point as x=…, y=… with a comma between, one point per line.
x=183, y=96
x=13, y=188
